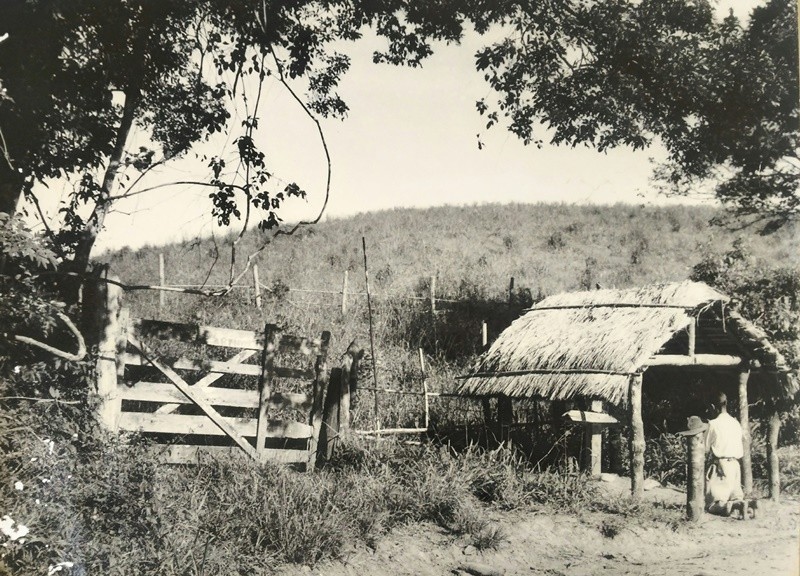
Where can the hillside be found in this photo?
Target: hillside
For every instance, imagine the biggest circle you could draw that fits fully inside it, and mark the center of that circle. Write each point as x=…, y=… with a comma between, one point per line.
x=472, y=250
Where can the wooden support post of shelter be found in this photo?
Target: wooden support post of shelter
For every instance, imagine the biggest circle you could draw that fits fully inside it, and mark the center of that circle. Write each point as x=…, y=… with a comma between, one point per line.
x=695, y=475
x=773, y=466
x=108, y=323
x=486, y=405
x=484, y=336
x=256, y=287
x=744, y=420
x=593, y=442
x=637, y=436
x=162, y=281
x=505, y=417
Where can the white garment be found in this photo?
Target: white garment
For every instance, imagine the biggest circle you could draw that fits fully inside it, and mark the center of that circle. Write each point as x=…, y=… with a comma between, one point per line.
x=724, y=437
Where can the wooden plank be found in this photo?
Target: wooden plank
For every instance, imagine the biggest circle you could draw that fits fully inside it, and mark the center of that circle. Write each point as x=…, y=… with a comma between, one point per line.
x=696, y=360
x=217, y=367
x=213, y=366
x=163, y=392
x=200, y=334
x=300, y=344
x=183, y=424
x=186, y=454
x=209, y=410
x=208, y=380
x=589, y=417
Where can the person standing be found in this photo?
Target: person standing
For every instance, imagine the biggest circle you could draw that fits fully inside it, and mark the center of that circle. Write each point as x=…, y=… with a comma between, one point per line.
x=725, y=446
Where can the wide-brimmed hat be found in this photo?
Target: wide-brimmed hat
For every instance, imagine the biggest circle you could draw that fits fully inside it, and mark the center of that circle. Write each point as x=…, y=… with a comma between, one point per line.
x=695, y=425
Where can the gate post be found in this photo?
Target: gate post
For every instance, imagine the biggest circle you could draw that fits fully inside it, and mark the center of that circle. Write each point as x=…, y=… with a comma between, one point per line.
x=106, y=299
x=317, y=403
x=336, y=418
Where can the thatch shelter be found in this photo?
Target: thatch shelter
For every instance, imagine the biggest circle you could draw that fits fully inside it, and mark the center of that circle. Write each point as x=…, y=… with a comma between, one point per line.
x=598, y=345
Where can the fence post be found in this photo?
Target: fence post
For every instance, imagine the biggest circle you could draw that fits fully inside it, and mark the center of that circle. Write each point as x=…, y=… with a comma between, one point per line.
x=695, y=481
x=272, y=339
x=108, y=408
x=433, y=294
x=331, y=417
x=161, y=282
x=256, y=286
x=336, y=418
x=318, y=400
x=511, y=291
x=344, y=293
x=424, y=387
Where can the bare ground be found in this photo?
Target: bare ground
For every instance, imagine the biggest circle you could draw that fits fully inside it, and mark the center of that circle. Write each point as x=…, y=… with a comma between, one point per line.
x=561, y=545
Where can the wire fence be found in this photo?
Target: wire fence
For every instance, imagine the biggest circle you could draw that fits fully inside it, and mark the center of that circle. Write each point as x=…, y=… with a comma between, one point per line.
x=344, y=294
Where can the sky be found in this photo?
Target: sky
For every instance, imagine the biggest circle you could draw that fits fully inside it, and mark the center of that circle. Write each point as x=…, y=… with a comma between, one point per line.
x=410, y=140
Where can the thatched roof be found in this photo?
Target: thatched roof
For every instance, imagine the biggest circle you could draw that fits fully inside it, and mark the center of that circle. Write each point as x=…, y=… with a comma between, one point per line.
x=590, y=343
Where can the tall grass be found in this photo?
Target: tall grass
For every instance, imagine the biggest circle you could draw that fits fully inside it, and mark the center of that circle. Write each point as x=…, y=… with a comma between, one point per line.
x=110, y=508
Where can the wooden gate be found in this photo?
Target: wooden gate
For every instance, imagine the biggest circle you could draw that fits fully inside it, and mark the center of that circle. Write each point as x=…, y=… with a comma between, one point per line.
x=221, y=400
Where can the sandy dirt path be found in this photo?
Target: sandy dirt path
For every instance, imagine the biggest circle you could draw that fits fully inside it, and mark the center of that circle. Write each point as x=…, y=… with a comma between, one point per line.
x=565, y=545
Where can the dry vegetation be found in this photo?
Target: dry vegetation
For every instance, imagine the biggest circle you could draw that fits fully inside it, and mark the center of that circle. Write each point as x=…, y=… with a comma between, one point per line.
x=111, y=509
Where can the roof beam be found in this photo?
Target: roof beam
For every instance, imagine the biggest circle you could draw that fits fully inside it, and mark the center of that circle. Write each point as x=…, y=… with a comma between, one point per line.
x=695, y=360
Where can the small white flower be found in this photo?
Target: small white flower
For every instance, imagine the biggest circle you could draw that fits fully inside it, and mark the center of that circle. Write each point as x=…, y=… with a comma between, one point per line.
x=18, y=485
x=7, y=528
x=53, y=568
x=17, y=369
x=37, y=501
x=50, y=444
x=45, y=480
x=75, y=436
x=34, y=459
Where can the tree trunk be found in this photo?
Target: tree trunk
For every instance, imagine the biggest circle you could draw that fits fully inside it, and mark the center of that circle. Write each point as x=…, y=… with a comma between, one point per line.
x=10, y=187
x=94, y=225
